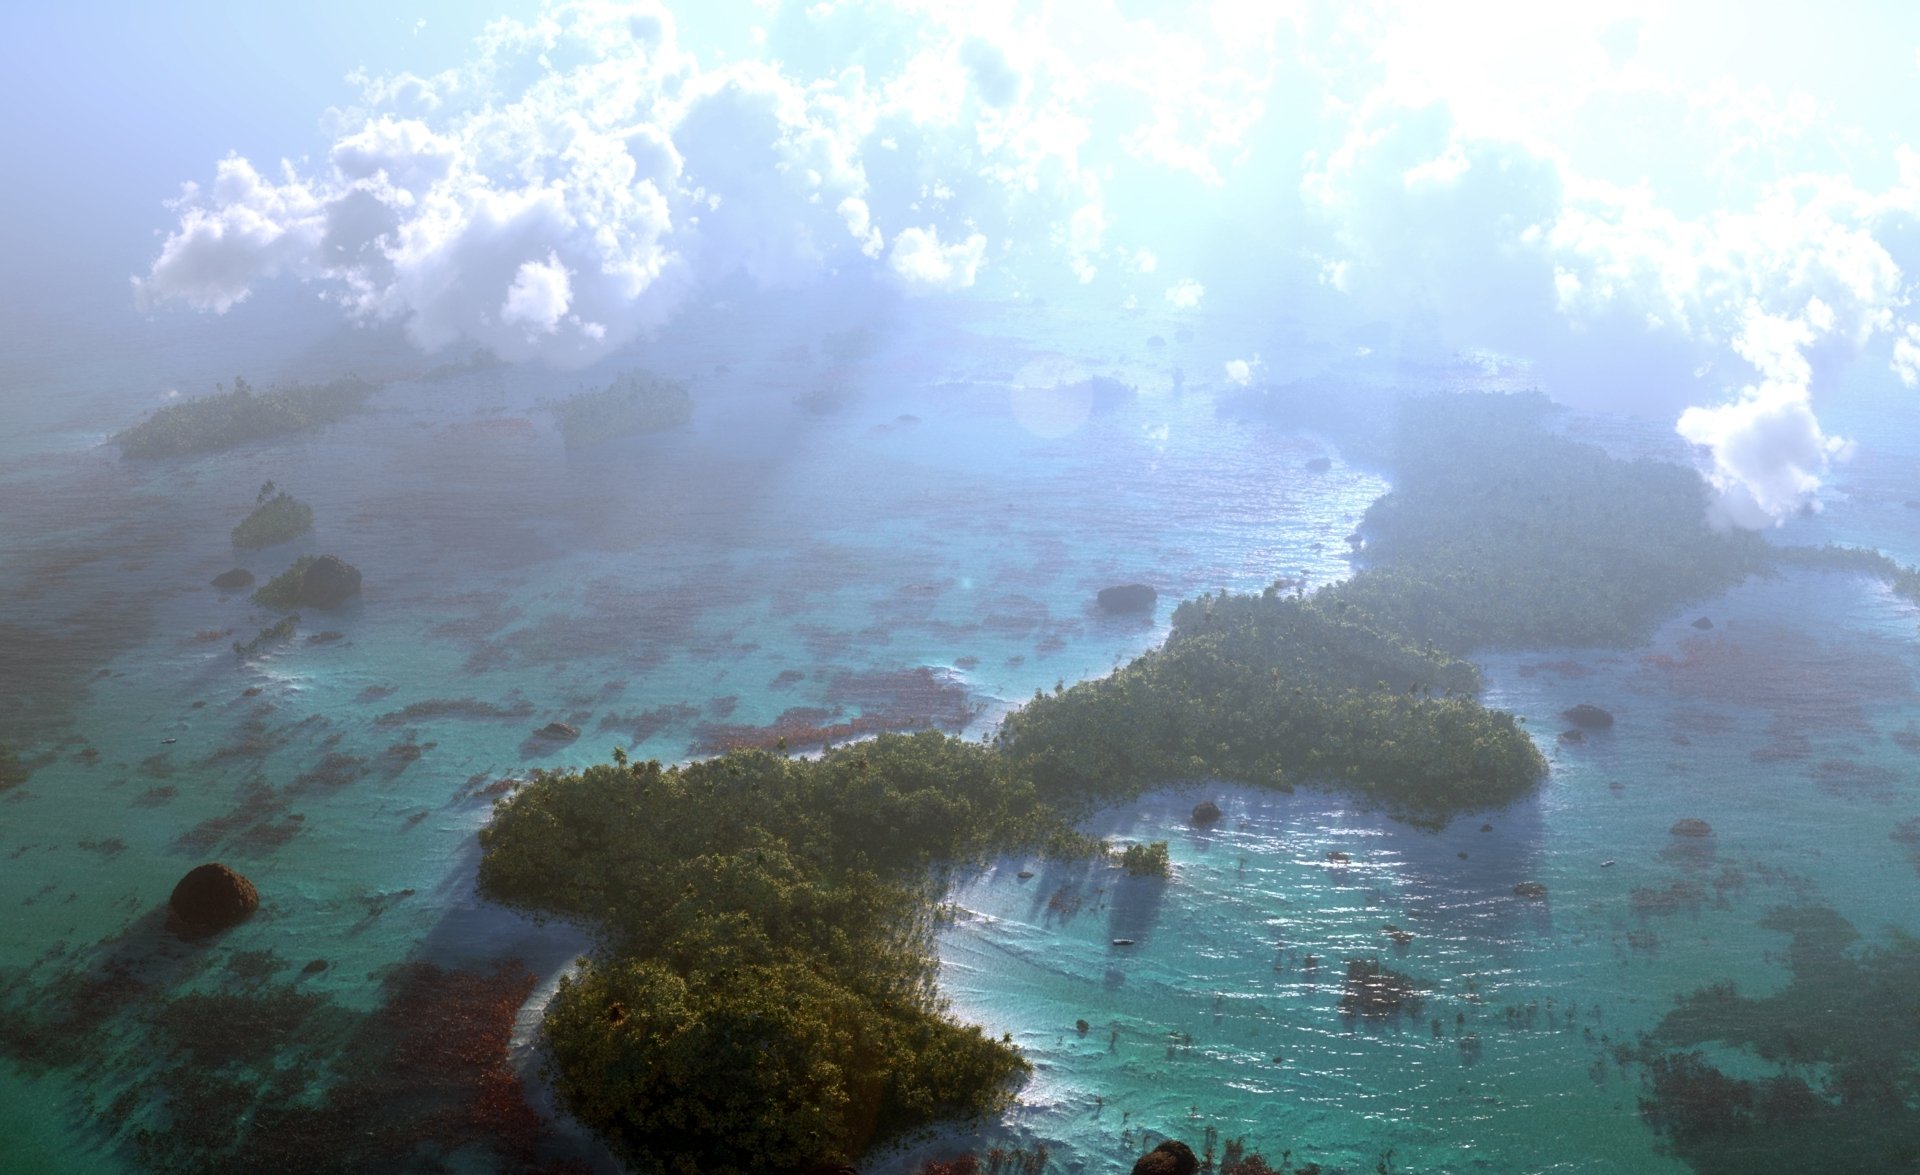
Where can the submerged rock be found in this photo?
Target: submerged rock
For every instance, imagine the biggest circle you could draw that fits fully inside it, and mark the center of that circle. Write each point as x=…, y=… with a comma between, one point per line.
x=1206, y=812
x=1703, y=624
x=212, y=897
x=1171, y=1157
x=559, y=731
x=1319, y=464
x=1573, y=736
x=1128, y=597
x=1530, y=889
x=1588, y=717
x=231, y=581
x=329, y=582
x=1691, y=826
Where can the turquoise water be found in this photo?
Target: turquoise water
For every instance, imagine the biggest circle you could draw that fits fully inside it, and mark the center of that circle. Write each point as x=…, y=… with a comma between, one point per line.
x=953, y=516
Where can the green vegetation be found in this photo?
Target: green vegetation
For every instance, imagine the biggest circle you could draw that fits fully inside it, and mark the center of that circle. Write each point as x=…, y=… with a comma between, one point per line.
x=637, y=402
x=1146, y=860
x=763, y=998
x=1274, y=689
x=272, y=634
x=276, y=518
x=212, y=423
x=1500, y=534
x=1905, y=581
x=283, y=590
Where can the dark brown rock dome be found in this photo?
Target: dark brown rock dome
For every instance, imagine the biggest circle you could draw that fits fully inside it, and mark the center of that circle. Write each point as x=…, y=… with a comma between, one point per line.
x=1206, y=812
x=213, y=897
x=328, y=582
x=1128, y=597
x=1171, y=1157
x=1588, y=717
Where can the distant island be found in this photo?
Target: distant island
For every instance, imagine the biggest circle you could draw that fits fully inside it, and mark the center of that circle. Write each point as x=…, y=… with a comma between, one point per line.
x=210, y=424
x=277, y=516
x=761, y=999
x=637, y=402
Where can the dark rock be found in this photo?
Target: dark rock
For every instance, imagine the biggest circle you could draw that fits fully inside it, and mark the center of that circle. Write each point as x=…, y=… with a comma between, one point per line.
x=231, y=581
x=314, y=968
x=1691, y=826
x=1573, y=736
x=329, y=582
x=1588, y=717
x=212, y=897
x=1081, y=1026
x=560, y=731
x=1206, y=812
x=1703, y=624
x=1530, y=889
x=1319, y=464
x=1338, y=857
x=1171, y=1157
x=1128, y=597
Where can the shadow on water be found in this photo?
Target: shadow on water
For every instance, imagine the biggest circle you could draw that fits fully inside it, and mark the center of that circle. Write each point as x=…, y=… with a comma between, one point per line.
x=1134, y=905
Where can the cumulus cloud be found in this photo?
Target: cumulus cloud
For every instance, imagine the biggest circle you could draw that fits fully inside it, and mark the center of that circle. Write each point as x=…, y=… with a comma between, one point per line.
x=923, y=262
x=1645, y=225
x=1185, y=294
x=1729, y=311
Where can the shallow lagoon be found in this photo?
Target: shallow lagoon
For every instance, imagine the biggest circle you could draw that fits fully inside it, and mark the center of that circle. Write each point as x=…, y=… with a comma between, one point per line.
x=773, y=557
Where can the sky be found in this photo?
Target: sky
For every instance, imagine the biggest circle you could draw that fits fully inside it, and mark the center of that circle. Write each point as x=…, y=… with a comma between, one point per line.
x=1705, y=212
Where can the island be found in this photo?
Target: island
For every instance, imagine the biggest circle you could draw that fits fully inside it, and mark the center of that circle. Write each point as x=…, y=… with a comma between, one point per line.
x=277, y=516
x=210, y=424
x=761, y=996
x=637, y=402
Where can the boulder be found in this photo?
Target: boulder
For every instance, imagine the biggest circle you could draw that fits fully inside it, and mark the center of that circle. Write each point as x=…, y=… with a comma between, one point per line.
x=233, y=581
x=1206, y=812
x=559, y=731
x=329, y=582
x=1530, y=889
x=1319, y=464
x=1691, y=826
x=1588, y=717
x=1703, y=624
x=212, y=897
x=1171, y=1157
x=1128, y=597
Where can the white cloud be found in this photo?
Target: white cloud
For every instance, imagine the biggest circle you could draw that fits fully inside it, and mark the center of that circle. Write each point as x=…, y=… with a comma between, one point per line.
x=1906, y=356
x=923, y=262
x=539, y=296
x=1186, y=293
x=1613, y=193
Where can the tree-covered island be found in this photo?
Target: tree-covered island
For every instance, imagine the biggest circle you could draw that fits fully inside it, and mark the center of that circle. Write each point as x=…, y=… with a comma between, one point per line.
x=209, y=424
x=277, y=516
x=637, y=402
x=762, y=997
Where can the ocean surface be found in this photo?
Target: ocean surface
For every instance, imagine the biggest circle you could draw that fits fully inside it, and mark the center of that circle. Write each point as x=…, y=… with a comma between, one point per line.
x=911, y=518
